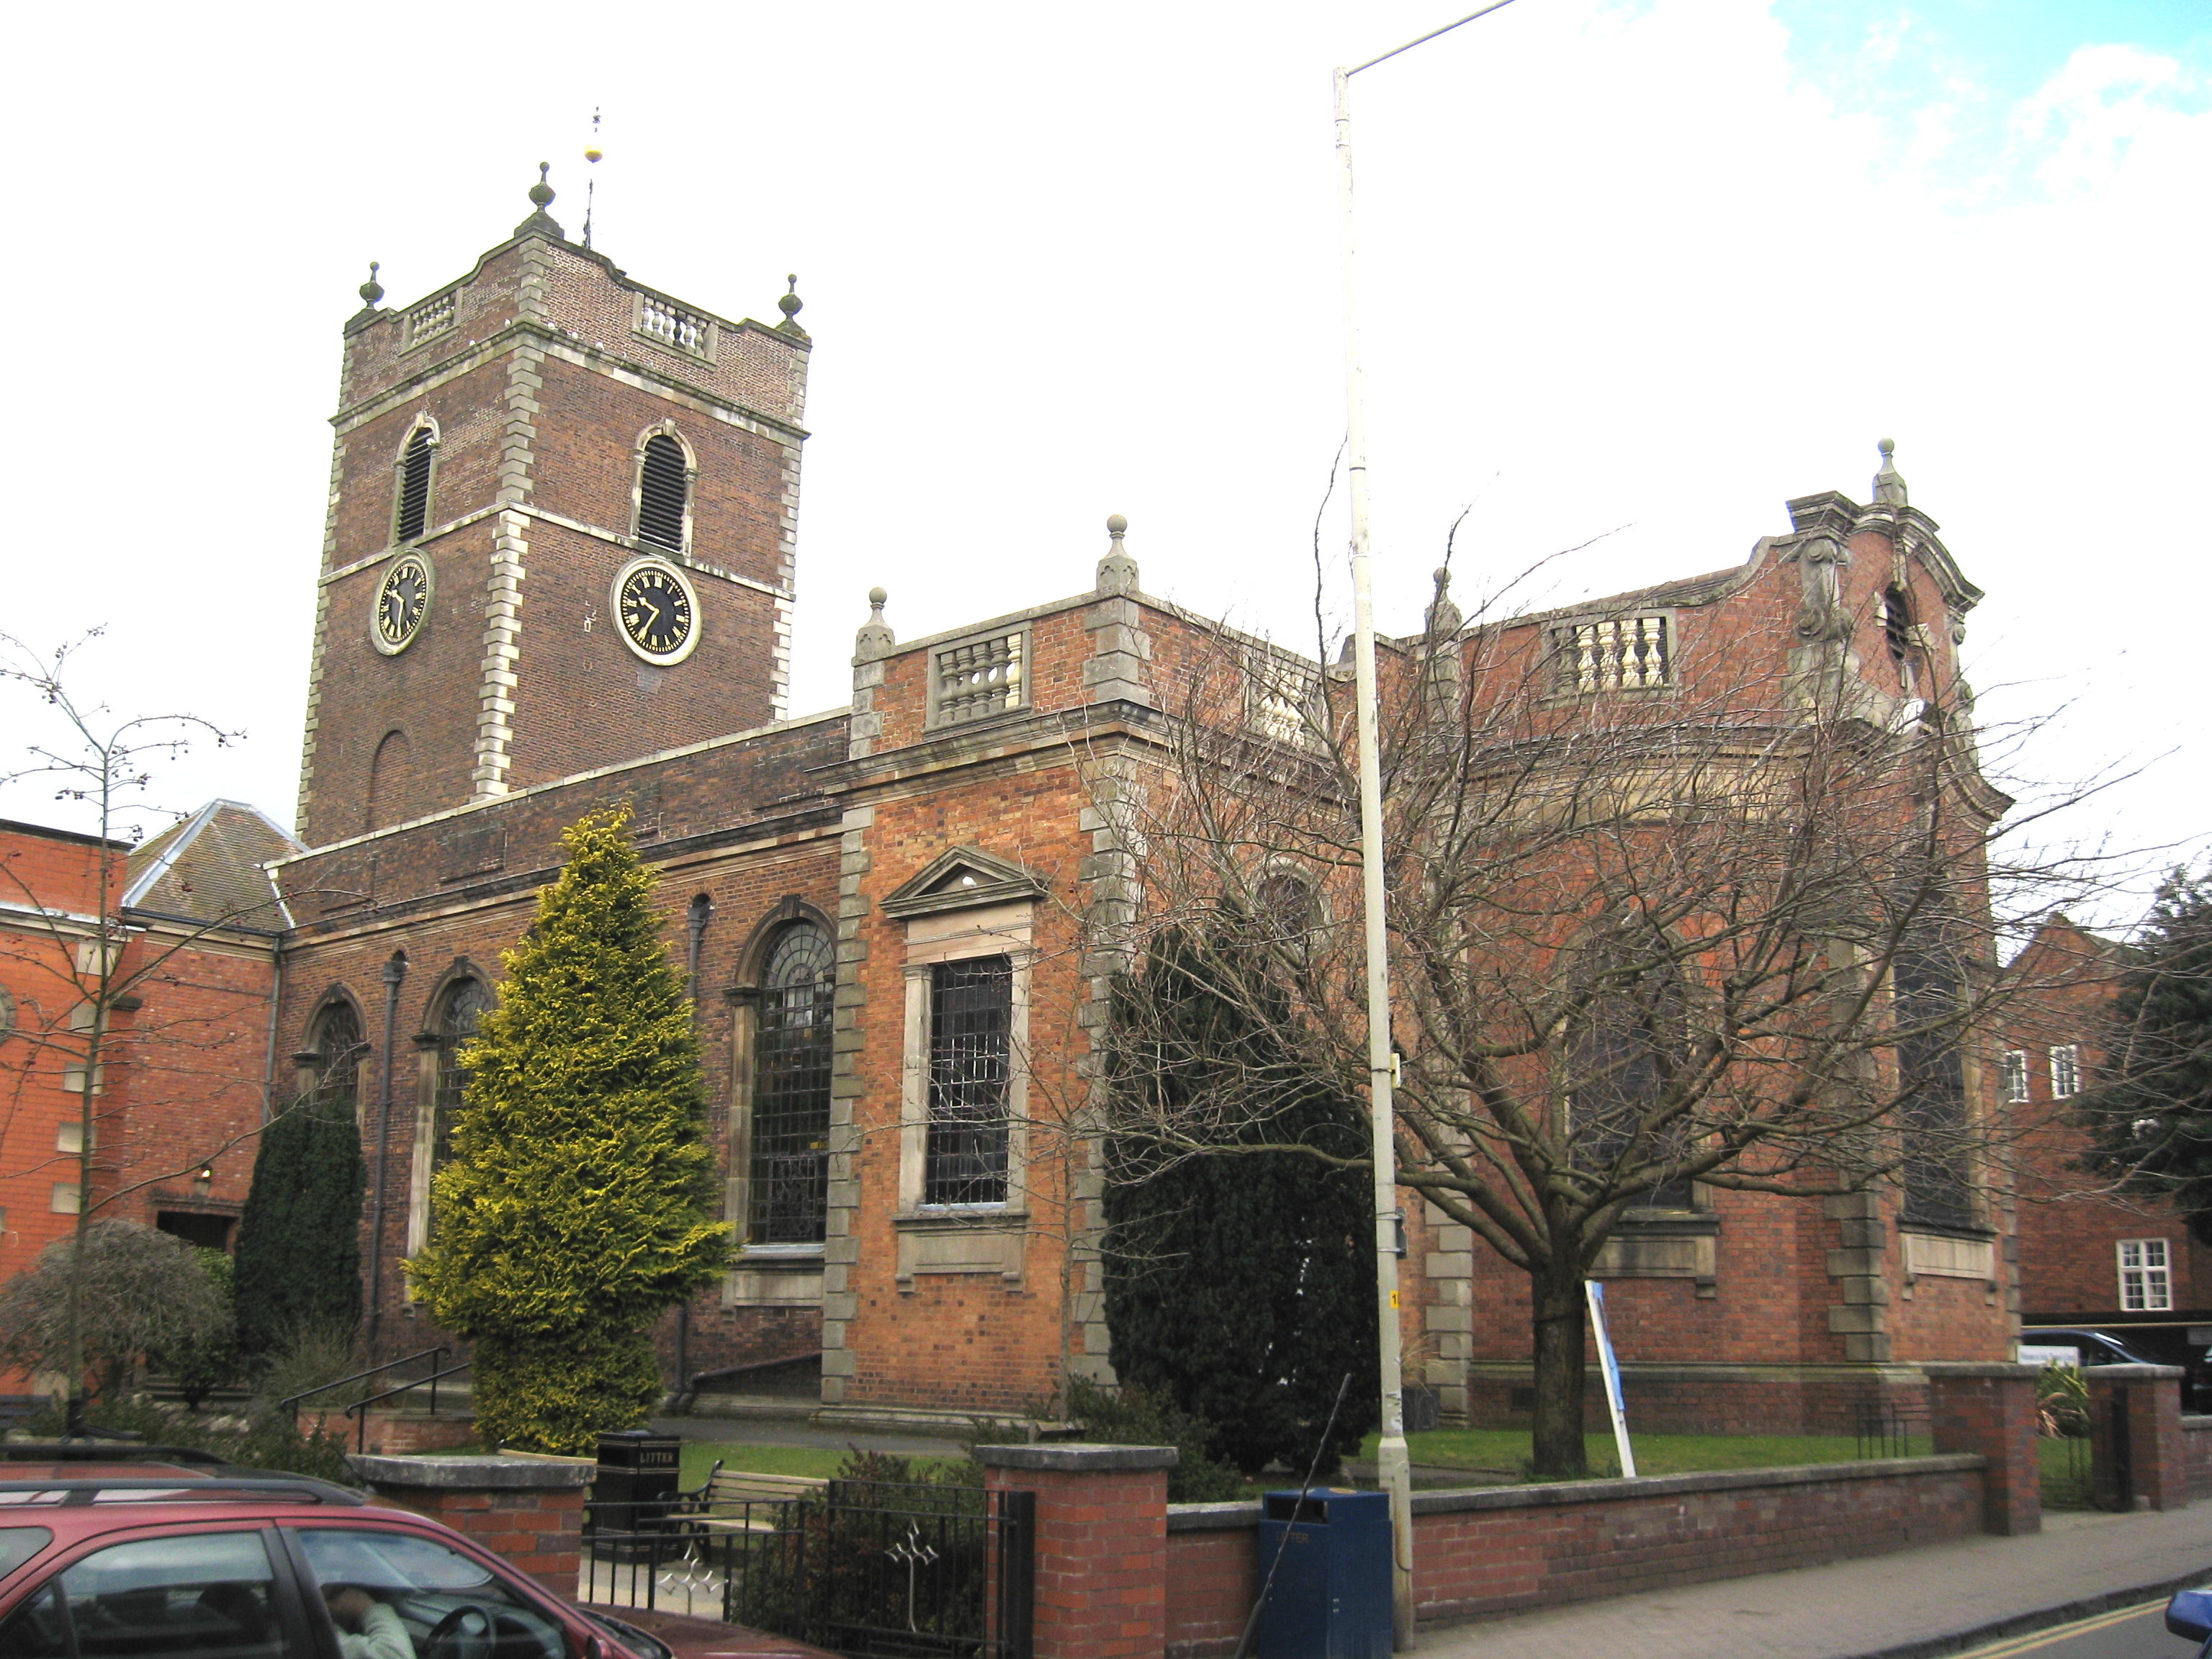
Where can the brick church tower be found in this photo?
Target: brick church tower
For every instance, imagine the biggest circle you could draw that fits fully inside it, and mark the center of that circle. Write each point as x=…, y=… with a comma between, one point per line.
x=563, y=513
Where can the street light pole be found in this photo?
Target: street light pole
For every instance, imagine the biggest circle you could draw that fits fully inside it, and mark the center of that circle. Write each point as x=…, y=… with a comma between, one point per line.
x=1393, y=1462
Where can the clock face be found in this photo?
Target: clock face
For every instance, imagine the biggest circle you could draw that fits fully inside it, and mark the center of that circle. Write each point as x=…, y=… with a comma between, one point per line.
x=658, y=610
x=403, y=601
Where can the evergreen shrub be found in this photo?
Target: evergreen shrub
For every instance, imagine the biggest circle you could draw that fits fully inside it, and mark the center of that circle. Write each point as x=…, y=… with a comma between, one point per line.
x=299, y=1239
x=578, y=1202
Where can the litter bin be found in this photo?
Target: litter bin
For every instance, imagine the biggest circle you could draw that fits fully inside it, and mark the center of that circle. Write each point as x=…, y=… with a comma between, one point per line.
x=637, y=1480
x=1331, y=1596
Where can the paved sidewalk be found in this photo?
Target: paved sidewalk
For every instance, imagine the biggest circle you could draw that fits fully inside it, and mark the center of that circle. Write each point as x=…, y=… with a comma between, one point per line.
x=1940, y=1599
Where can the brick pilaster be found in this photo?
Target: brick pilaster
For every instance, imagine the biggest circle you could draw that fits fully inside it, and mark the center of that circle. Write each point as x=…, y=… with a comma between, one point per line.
x=1990, y=1410
x=2147, y=1398
x=529, y=1510
x=1101, y=1545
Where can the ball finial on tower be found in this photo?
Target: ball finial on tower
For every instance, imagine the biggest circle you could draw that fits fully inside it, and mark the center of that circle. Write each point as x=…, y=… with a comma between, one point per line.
x=875, y=638
x=1116, y=527
x=541, y=193
x=371, y=290
x=791, y=305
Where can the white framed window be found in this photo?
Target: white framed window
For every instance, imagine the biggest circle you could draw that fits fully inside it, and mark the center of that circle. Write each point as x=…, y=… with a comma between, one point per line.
x=2016, y=1074
x=2146, y=1275
x=2065, y=1070
x=65, y=1199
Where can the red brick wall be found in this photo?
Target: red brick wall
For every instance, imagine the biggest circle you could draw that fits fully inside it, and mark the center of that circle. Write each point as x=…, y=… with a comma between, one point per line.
x=1102, y=1560
x=538, y=1533
x=1507, y=1550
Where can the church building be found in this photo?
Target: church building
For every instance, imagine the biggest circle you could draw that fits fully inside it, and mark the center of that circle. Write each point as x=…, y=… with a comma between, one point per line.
x=558, y=573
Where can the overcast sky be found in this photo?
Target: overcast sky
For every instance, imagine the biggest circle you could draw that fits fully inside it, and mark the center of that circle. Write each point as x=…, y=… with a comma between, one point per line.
x=1634, y=274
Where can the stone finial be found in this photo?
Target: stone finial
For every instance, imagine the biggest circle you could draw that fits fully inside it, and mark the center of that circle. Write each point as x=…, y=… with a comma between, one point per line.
x=1888, y=483
x=1117, y=571
x=875, y=638
x=791, y=305
x=541, y=198
x=371, y=290
x=1443, y=617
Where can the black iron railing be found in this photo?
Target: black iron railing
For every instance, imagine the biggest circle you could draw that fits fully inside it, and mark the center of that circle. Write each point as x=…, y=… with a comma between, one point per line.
x=359, y=1409
x=1890, y=1429
x=868, y=1569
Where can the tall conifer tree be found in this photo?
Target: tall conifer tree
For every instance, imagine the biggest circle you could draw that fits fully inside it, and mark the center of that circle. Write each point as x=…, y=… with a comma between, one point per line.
x=1241, y=1286
x=578, y=1202
x=299, y=1238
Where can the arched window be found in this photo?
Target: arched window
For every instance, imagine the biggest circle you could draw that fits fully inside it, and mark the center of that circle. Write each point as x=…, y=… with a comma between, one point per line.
x=1620, y=1050
x=1897, y=632
x=1931, y=1075
x=459, y=1011
x=790, y=1165
x=661, y=490
x=414, y=511
x=338, y=1049
x=387, y=781
x=1289, y=911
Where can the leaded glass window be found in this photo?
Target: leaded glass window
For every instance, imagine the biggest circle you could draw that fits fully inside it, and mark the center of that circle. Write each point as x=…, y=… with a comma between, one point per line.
x=1622, y=1049
x=789, y=1183
x=458, y=1012
x=970, y=1067
x=1931, y=1078
x=337, y=1048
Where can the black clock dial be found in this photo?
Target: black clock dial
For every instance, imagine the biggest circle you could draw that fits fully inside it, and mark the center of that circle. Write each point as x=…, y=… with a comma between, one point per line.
x=656, y=610
x=402, y=601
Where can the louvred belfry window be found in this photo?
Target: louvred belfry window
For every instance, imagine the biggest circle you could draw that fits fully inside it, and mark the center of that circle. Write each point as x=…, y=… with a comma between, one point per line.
x=415, y=485
x=660, y=491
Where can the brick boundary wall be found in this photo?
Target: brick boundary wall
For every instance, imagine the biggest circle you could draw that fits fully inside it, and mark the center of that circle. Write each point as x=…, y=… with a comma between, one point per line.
x=529, y=1511
x=1505, y=1549
x=394, y=1434
x=2196, y=1456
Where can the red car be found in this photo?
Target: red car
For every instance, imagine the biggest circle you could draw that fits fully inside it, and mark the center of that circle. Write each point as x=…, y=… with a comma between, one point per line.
x=149, y=1553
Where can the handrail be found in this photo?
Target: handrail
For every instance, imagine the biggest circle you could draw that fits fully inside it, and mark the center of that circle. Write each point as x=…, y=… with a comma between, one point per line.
x=361, y=1442
x=324, y=1388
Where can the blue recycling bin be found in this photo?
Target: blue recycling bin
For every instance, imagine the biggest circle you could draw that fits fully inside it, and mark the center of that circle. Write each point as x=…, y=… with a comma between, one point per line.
x=1331, y=1594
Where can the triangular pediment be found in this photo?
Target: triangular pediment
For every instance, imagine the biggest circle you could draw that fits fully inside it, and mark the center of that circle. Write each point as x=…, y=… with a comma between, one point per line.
x=962, y=878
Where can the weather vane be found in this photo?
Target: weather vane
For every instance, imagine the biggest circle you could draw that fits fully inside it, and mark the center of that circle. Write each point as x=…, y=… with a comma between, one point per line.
x=591, y=154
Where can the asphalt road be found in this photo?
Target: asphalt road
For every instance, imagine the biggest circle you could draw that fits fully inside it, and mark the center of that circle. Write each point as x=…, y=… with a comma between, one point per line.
x=2128, y=1633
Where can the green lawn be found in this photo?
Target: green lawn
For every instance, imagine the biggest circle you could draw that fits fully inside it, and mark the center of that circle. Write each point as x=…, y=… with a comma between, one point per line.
x=1503, y=1451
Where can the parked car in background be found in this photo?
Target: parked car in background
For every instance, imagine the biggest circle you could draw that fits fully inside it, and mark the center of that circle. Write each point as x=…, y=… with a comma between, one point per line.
x=2073, y=1346
x=152, y=1553
x=2086, y=1347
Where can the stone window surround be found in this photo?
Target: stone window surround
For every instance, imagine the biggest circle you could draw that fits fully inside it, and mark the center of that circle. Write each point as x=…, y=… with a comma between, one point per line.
x=426, y=1100
x=962, y=1238
x=666, y=427
x=767, y=1275
x=423, y=422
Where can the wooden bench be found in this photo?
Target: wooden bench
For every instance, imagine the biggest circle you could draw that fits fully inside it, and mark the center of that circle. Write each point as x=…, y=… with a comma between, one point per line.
x=723, y=1503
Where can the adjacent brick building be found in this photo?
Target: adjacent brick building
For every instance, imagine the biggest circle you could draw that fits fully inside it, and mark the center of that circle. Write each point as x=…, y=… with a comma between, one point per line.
x=181, y=1083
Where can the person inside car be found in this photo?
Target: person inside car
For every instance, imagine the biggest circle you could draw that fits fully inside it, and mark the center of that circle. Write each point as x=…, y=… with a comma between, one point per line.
x=367, y=1629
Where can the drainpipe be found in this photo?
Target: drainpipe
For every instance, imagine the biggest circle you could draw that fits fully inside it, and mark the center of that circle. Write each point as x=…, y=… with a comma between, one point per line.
x=394, y=971
x=702, y=911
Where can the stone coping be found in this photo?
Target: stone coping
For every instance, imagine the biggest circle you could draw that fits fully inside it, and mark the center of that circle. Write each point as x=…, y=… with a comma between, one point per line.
x=477, y=1472
x=1209, y=1517
x=1077, y=1457
x=2131, y=1373
x=1969, y=1368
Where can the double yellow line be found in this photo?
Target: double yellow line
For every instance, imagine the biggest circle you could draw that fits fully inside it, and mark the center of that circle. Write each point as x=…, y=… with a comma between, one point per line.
x=2043, y=1638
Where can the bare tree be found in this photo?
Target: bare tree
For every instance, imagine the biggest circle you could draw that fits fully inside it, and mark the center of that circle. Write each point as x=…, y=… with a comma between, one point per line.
x=91, y=970
x=1655, y=924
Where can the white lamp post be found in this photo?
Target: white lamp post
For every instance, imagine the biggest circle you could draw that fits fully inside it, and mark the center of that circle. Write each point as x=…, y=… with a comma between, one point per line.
x=1394, y=1466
